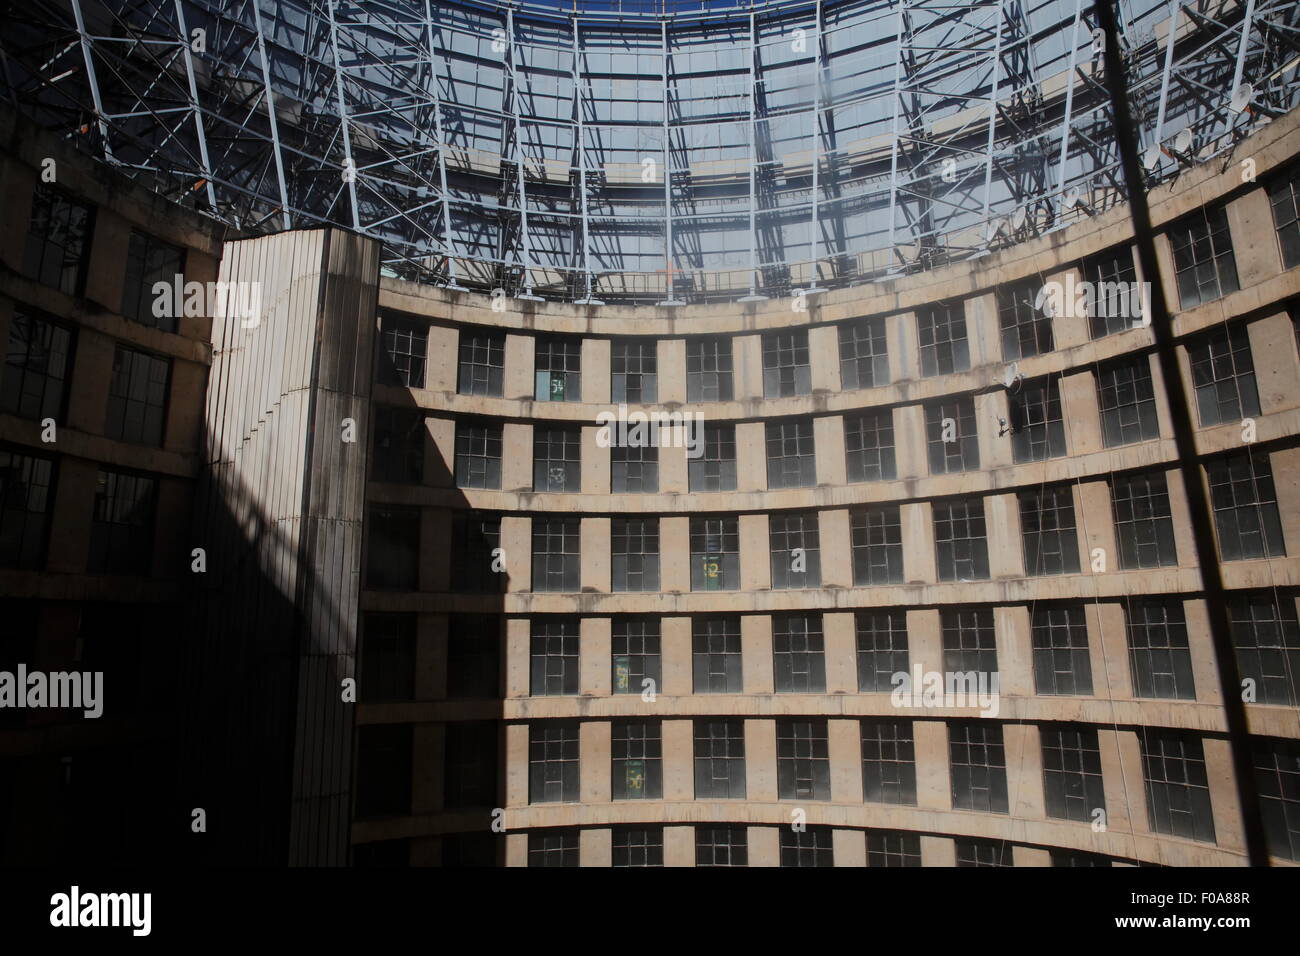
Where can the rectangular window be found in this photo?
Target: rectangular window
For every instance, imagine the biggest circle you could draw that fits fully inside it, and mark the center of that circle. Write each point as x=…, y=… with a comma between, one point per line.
x=791, y=462
x=1223, y=375
x=1112, y=276
x=1037, y=429
x=634, y=546
x=961, y=547
x=1266, y=639
x=1277, y=778
x=877, y=542
x=882, y=648
x=482, y=363
x=1060, y=639
x=888, y=762
x=1051, y=540
x=979, y=766
x=393, y=551
x=478, y=454
x=121, y=531
x=634, y=371
x=475, y=540
x=715, y=553
x=869, y=446
x=715, y=470
x=637, y=765
x=1144, y=525
x=553, y=848
x=388, y=657
x=1204, y=266
x=1127, y=401
x=803, y=765
x=893, y=848
x=785, y=364
x=26, y=486
x=798, y=654
x=634, y=469
x=34, y=380
x=719, y=759
x=721, y=846
x=708, y=370
x=635, y=655
x=638, y=846
x=1245, y=506
x=150, y=260
x=1157, y=646
x=1283, y=193
x=864, y=361
x=473, y=655
x=972, y=851
x=557, y=369
x=399, y=445
x=796, y=550
x=812, y=846
x=1178, y=788
x=1026, y=331
x=1072, y=772
x=404, y=347
x=557, y=458
x=58, y=239
x=557, y=559
x=471, y=764
x=951, y=437
x=554, y=657
x=1071, y=858
x=941, y=332
x=969, y=641
x=137, y=397
x=715, y=653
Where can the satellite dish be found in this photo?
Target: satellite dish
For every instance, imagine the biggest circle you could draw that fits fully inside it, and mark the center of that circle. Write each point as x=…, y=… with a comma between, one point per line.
x=1151, y=156
x=1011, y=375
x=995, y=228
x=1183, y=141
x=1241, y=98
x=1043, y=302
x=1018, y=219
x=1071, y=198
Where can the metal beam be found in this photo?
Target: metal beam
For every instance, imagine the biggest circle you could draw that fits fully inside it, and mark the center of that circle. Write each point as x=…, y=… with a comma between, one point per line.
x=285, y=219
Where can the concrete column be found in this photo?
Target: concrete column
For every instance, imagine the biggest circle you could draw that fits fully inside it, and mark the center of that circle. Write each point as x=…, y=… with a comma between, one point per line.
x=1205, y=667
x=517, y=766
x=516, y=849
x=105, y=269
x=836, y=548
x=679, y=759
x=674, y=471
x=982, y=330
x=1277, y=364
x=1224, y=803
x=1163, y=414
x=17, y=183
x=675, y=554
x=844, y=743
x=440, y=443
x=824, y=356
x=938, y=851
x=1133, y=779
x=594, y=541
x=1068, y=330
x=434, y=554
x=924, y=641
x=755, y=553
x=995, y=450
x=933, y=782
x=1165, y=263
x=594, y=662
x=518, y=662
x=747, y=366
x=1096, y=522
x=676, y=656
x=751, y=456
x=595, y=463
x=901, y=344
x=760, y=760
x=1002, y=523
x=764, y=846
x=1024, y=753
x=1286, y=481
x=517, y=543
x=181, y=431
x=171, y=532
x=595, y=371
x=594, y=760
x=1114, y=780
x=431, y=638
x=1030, y=856
x=756, y=654
x=911, y=456
x=1107, y=620
x=670, y=355
x=679, y=846
x=916, y=520
x=91, y=363
x=841, y=653
x=596, y=847
x=443, y=365
x=1011, y=623
x=521, y=358
x=1254, y=246
x=516, y=457
x=850, y=848
x=1180, y=514
x=1080, y=412
x=828, y=438
x=429, y=746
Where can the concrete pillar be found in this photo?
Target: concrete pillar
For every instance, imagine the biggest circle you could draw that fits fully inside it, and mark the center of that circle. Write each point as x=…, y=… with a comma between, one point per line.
x=933, y=782
x=596, y=847
x=431, y=638
x=594, y=657
x=764, y=846
x=841, y=653
x=1080, y=412
x=755, y=551
x=670, y=354
x=824, y=357
x=679, y=846
x=594, y=738
x=836, y=548
x=517, y=543
x=675, y=648
x=440, y=443
x=996, y=450
x=1286, y=481
x=924, y=640
x=595, y=371
x=911, y=455
x=828, y=440
x=938, y=851
x=850, y=847
x=443, y=365
x=516, y=849
x=747, y=367
x=844, y=744
x=594, y=541
x=91, y=363
x=1068, y=330
x=1024, y=755
x=516, y=457
x=1205, y=667
x=1011, y=623
x=429, y=747
x=518, y=379
x=105, y=270
x=1224, y=803
x=1254, y=244
x=17, y=183
x=517, y=766
x=434, y=554
x=1002, y=523
x=751, y=456
x=518, y=663
x=675, y=554
x=674, y=470
x=756, y=654
x=595, y=463
x=1115, y=779
x=901, y=344
x=679, y=759
x=1277, y=364
x=1181, y=516
x=1096, y=523
x=916, y=520
x=982, y=330
x=1132, y=780
x=1030, y=856
x=188, y=379
x=760, y=760
x=1107, y=620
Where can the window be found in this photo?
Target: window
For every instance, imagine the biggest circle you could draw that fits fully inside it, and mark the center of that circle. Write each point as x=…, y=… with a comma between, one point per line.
x=1178, y=789
x=383, y=770
x=719, y=759
x=1025, y=330
x=553, y=848
x=633, y=366
x=405, y=345
x=803, y=765
x=716, y=662
x=708, y=370
x=1112, y=276
x=478, y=454
x=888, y=762
x=399, y=445
x=1051, y=540
x=637, y=749
x=57, y=240
x=972, y=851
x=715, y=469
x=556, y=554
x=1266, y=638
x=785, y=364
x=387, y=657
x=1245, y=506
x=1128, y=402
x=26, y=485
x=791, y=462
x=882, y=648
x=951, y=437
x=150, y=260
x=121, y=531
x=1144, y=525
x=137, y=397
x=393, y=552
x=798, y=654
x=721, y=846
x=1072, y=858
x=1282, y=193
x=969, y=642
x=811, y=846
x=877, y=541
x=634, y=468
x=1072, y=772
x=471, y=764
x=1204, y=266
x=557, y=458
x=635, y=656
x=1157, y=648
x=482, y=363
x=553, y=761
x=34, y=380
x=558, y=369
x=979, y=766
x=1223, y=375
x=635, y=553
x=796, y=551
x=893, y=848
x=864, y=361
x=715, y=553
x=960, y=546
x=941, y=332
x=1037, y=430
x=1277, y=778
x=473, y=655
x=869, y=446
x=638, y=846
x=475, y=536
x=1060, y=639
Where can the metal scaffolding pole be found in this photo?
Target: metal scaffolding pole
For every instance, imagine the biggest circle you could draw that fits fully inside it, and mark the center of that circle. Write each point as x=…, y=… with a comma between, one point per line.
x=754, y=295
x=993, y=108
x=441, y=143
x=580, y=146
x=270, y=112
x=893, y=127
x=349, y=165
x=518, y=152
x=194, y=105
x=818, y=66
x=669, y=298
x=1069, y=103
x=93, y=80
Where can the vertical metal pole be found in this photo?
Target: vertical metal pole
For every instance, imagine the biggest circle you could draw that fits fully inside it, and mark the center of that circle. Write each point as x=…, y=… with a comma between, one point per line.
x=194, y=105
x=519, y=155
x=753, y=162
x=442, y=151
x=94, y=80
x=893, y=127
x=1169, y=65
x=817, y=144
x=349, y=164
x=270, y=112
x=993, y=108
x=1069, y=101
x=582, y=162
x=668, y=170
x=1241, y=47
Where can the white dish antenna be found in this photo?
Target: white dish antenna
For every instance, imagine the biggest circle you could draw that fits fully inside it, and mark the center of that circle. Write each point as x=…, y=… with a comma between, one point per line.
x=1018, y=219
x=1011, y=376
x=1183, y=141
x=1241, y=98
